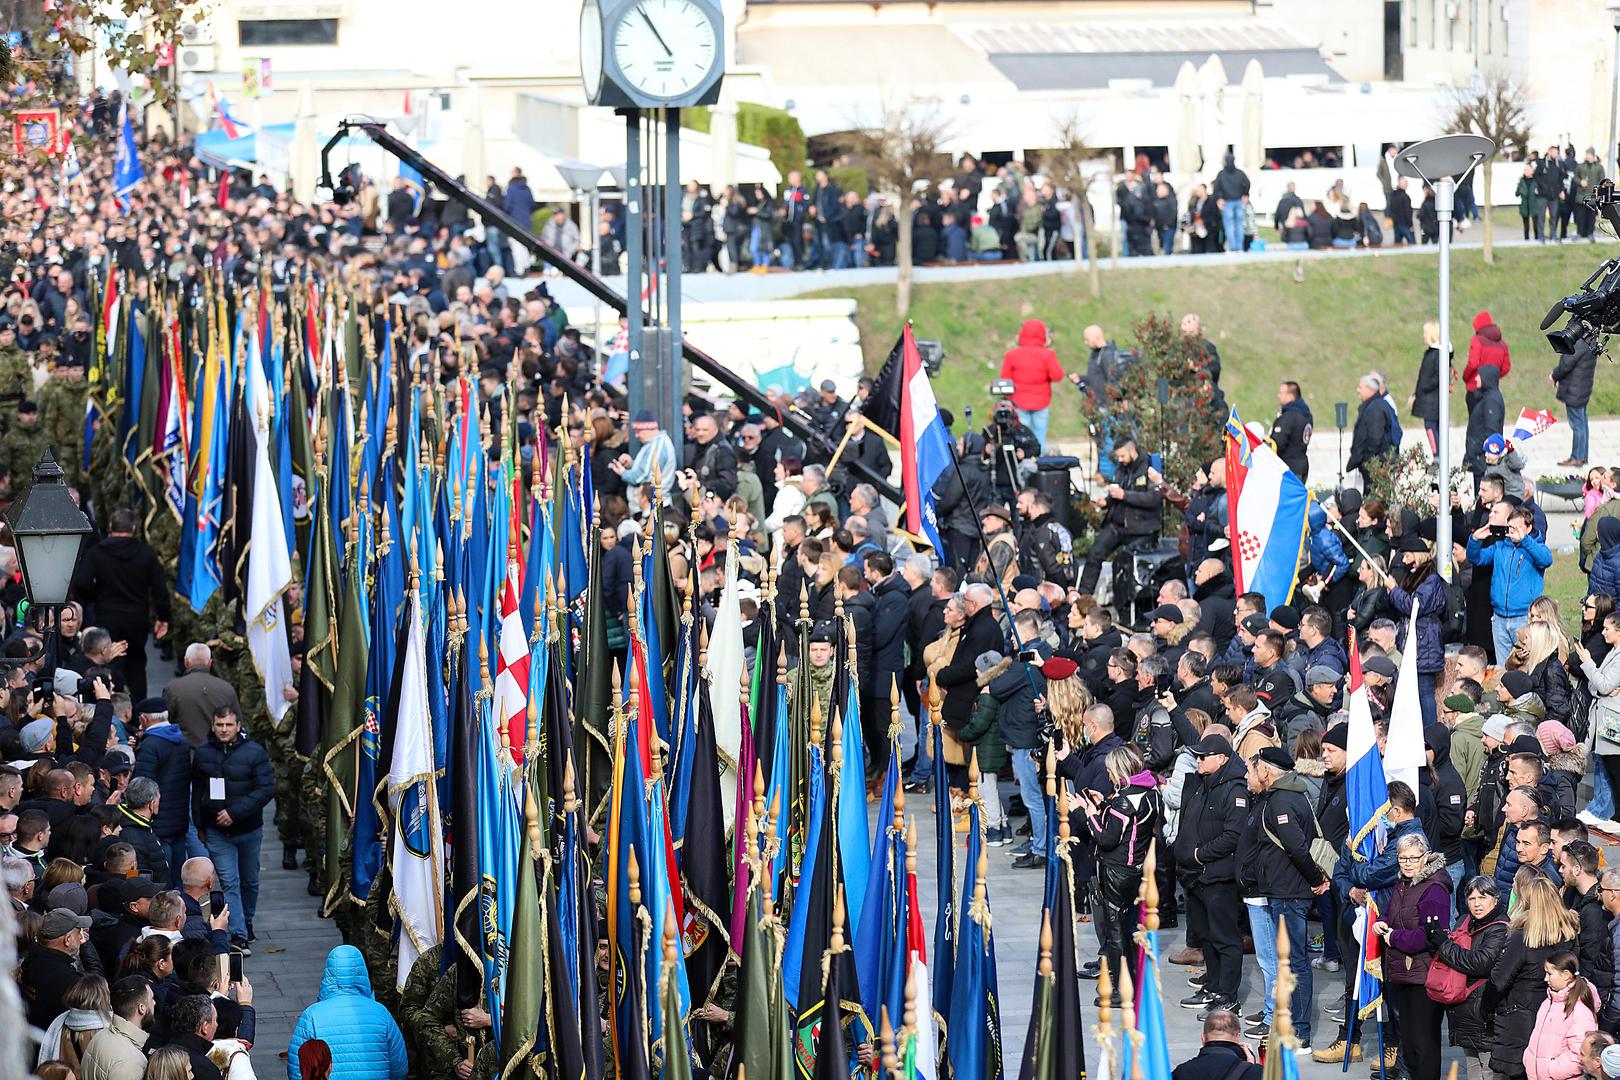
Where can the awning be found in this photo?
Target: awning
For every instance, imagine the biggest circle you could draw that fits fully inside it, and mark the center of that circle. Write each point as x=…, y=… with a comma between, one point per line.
x=219, y=151
x=1086, y=71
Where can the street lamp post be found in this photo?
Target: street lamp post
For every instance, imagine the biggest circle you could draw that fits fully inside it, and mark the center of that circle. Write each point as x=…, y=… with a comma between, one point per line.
x=586, y=179
x=49, y=530
x=1447, y=159
x=1609, y=152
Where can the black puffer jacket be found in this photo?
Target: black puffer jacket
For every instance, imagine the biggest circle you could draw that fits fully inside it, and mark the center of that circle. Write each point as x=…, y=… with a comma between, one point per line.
x=1574, y=374
x=249, y=784
x=1140, y=511
x=1517, y=987
x=165, y=756
x=1550, y=681
x=1597, y=961
x=959, y=677
x=1471, y=1027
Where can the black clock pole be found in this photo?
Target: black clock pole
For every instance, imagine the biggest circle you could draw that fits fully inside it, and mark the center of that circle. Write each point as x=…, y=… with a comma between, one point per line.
x=674, y=381
x=633, y=255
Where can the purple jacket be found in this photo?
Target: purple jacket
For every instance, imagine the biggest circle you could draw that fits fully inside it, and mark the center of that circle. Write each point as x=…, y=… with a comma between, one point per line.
x=1413, y=907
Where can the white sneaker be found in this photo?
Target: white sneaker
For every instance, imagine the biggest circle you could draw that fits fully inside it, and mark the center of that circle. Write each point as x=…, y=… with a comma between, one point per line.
x=1586, y=817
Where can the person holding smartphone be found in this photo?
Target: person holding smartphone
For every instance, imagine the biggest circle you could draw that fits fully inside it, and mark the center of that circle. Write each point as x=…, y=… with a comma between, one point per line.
x=1517, y=563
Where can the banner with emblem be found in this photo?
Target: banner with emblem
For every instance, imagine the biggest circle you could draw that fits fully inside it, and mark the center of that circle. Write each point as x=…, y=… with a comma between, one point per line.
x=36, y=131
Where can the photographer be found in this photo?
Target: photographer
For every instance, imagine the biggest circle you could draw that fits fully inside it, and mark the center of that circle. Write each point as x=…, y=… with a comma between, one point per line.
x=1133, y=509
x=1517, y=562
x=1011, y=449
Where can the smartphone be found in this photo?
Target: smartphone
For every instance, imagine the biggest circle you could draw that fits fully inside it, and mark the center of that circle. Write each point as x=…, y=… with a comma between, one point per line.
x=236, y=967
x=1499, y=531
x=216, y=902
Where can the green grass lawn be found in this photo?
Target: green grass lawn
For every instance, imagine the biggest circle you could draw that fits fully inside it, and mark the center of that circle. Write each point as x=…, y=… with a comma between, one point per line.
x=1348, y=316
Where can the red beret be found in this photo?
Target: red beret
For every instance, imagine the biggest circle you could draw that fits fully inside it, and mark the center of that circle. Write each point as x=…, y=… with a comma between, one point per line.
x=1059, y=667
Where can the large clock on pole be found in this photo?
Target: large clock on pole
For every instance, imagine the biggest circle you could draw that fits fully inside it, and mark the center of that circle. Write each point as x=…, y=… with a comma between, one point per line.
x=648, y=54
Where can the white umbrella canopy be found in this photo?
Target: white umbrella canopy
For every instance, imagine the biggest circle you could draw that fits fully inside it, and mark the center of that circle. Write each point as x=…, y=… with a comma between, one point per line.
x=1253, y=147
x=472, y=146
x=1186, y=150
x=1212, y=132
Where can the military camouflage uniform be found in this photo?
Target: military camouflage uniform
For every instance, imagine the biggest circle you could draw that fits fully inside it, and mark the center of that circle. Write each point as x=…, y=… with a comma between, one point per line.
x=821, y=680
x=16, y=383
x=435, y=1052
x=21, y=448
x=61, y=414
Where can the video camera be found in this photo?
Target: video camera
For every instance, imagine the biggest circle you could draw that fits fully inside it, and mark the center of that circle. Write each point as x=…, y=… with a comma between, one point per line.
x=1594, y=312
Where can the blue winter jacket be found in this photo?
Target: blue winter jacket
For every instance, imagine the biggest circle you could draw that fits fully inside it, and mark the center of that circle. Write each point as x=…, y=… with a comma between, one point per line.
x=1327, y=553
x=1605, y=572
x=364, y=1040
x=1516, y=575
x=165, y=756
x=1377, y=874
x=1430, y=600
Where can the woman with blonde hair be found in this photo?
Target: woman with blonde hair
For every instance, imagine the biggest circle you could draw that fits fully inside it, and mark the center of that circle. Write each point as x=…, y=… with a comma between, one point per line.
x=1539, y=927
x=1425, y=398
x=1545, y=652
x=168, y=1063
x=1066, y=703
x=87, y=1010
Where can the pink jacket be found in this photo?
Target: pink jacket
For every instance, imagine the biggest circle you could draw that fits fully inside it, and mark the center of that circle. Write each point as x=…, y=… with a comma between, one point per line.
x=1554, y=1052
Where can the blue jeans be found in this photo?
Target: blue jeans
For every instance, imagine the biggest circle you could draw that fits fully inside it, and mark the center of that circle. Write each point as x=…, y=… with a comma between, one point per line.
x=759, y=246
x=1167, y=241
x=1263, y=928
x=1503, y=630
x=1602, y=804
x=236, y=863
x=1034, y=796
x=1035, y=420
x=178, y=850
x=1232, y=222
x=1426, y=697
x=1292, y=914
x=1577, y=431
x=1404, y=232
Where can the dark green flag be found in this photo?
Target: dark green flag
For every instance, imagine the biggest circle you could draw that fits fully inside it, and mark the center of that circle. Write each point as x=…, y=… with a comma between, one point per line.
x=340, y=741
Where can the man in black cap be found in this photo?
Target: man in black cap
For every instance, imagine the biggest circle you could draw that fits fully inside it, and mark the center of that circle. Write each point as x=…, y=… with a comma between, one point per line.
x=828, y=410
x=52, y=965
x=112, y=940
x=1133, y=509
x=654, y=458
x=1283, y=869
x=162, y=754
x=1214, y=813
x=822, y=669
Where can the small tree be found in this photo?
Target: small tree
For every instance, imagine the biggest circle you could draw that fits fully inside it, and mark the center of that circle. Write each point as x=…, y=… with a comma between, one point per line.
x=1497, y=107
x=905, y=146
x=1164, y=398
x=1066, y=164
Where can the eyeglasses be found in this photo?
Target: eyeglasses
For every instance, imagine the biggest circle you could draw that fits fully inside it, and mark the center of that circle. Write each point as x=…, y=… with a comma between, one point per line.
x=1411, y=858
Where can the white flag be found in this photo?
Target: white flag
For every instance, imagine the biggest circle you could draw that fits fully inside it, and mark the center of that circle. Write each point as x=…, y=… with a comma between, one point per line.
x=417, y=855
x=269, y=564
x=1404, y=757
x=725, y=678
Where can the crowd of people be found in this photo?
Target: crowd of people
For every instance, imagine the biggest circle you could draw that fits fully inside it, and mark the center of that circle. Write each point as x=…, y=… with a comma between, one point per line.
x=1211, y=724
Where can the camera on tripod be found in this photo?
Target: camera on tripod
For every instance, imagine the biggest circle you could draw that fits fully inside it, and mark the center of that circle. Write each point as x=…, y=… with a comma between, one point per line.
x=1594, y=312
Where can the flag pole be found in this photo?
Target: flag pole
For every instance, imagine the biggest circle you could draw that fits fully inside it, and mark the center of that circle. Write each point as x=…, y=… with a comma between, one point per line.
x=984, y=544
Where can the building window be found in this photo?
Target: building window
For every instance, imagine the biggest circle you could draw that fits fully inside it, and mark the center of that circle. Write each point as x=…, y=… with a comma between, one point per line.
x=1412, y=22
x=264, y=32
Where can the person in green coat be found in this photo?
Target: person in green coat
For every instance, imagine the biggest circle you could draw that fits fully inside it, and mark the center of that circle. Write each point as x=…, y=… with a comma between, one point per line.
x=1529, y=201
x=981, y=735
x=1588, y=175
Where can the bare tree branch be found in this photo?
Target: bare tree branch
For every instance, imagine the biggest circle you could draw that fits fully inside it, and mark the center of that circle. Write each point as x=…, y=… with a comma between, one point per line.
x=906, y=146
x=1497, y=107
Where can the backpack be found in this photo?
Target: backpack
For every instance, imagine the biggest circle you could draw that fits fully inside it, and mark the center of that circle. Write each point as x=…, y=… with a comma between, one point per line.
x=1446, y=985
x=1392, y=438
x=1454, y=619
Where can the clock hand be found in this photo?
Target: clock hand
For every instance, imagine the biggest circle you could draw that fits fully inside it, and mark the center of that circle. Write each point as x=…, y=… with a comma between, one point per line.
x=648, y=20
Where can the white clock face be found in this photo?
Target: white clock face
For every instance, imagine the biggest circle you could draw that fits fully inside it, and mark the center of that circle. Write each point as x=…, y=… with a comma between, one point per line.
x=665, y=47
x=590, y=47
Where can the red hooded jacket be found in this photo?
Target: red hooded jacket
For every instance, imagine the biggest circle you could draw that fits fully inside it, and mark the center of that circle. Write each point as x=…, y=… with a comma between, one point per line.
x=1487, y=347
x=1032, y=367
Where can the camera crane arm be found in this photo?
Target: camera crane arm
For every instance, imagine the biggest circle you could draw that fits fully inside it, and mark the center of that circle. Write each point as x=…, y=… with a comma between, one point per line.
x=494, y=216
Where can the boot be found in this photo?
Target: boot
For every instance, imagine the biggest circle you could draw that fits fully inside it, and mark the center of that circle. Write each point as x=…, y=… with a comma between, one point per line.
x=1333, y=1053
x=1189, y=955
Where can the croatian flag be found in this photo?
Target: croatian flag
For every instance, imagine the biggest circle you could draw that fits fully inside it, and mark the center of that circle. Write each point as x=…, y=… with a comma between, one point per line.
x=233, y=128
x=1366, y=796
x=1266, y=506
x=925, y=444
x=1532, y=422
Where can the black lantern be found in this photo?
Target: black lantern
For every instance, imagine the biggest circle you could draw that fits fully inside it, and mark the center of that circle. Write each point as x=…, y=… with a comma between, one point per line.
x=49, y=529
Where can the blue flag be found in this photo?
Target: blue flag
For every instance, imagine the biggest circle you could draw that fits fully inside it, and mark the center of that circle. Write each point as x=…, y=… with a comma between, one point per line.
x=854, y=839
x=127, y=171
x=973, y=1042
